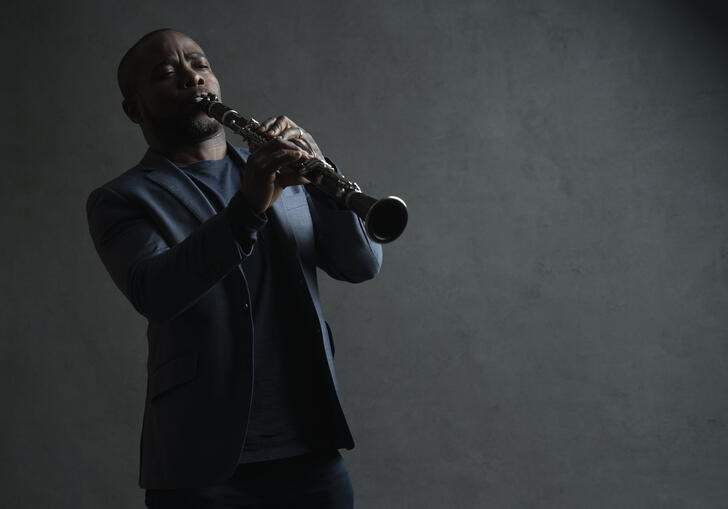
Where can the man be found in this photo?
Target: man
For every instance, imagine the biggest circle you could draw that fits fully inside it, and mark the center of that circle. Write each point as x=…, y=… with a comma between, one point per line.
x=218, y=249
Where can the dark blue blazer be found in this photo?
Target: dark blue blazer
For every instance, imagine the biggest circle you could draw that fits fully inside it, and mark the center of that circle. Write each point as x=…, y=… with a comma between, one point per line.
x=176, y=260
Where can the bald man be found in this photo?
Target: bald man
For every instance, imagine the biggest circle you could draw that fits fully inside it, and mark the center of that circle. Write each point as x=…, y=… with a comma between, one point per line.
x=218, y=248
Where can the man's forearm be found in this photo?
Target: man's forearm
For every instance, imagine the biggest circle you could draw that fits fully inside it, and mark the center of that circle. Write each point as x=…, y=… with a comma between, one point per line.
x=162, y=281
x=343, y=248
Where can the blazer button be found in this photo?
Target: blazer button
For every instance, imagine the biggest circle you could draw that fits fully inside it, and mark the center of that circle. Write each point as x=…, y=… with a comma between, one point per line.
x=246, y=306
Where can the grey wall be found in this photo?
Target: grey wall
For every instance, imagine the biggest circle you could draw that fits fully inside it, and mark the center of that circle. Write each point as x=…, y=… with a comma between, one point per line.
x=549, y=332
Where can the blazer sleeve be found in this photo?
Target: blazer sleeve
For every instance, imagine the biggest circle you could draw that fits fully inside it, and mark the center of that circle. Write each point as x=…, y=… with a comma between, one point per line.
x=159, y=280
x=343, y=249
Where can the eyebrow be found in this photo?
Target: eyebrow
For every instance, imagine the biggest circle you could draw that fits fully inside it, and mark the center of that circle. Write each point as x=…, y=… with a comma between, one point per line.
x=188, y=56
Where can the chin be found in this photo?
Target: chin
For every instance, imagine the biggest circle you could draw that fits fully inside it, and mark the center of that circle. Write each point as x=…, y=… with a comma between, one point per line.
x=202, y=129
x=187, y=129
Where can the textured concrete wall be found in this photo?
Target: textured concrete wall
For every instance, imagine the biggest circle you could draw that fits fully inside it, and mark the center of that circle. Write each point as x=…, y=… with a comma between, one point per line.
x=549, y=332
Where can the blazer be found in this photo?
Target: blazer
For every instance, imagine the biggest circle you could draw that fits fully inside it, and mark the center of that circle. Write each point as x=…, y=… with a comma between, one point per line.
x=176, y=260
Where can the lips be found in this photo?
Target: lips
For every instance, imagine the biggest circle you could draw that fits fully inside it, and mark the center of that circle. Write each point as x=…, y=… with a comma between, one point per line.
x=196, y=98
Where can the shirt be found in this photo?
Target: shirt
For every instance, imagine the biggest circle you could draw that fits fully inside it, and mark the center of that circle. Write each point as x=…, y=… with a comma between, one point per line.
x=285, y=407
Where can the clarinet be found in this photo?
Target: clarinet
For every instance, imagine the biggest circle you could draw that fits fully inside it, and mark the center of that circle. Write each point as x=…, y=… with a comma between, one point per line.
x=384, y=219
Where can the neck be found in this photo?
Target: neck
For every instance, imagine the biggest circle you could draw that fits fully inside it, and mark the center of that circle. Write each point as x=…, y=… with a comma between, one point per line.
x=212, y=148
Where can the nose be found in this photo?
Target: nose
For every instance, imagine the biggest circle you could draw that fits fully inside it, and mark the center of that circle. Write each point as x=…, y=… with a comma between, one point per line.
x=192, y=78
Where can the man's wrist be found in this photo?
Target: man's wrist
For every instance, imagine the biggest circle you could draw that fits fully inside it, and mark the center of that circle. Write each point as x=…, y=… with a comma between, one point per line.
x=244, y=221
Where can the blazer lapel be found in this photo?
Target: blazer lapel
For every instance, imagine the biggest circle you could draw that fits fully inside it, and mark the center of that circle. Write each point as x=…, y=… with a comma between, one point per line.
x=164, y=172
x=286, y=232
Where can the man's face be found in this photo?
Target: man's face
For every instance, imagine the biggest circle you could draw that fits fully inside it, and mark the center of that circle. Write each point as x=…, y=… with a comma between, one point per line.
x=170, y=71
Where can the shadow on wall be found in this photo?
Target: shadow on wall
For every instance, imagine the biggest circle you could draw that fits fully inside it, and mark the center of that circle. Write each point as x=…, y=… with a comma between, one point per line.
x=711, y=14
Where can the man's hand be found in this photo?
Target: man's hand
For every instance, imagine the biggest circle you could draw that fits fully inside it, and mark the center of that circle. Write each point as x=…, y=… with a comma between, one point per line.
x=266, y=174
x=285, y=128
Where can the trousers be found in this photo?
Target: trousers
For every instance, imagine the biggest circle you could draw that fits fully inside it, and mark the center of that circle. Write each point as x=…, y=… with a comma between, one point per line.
x=315, y=480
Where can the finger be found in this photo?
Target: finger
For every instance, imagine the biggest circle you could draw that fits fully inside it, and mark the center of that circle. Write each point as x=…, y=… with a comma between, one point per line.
x=300, y=142
x=267, y=161
x=285, y=180
x=279, y=159
x=292, y=133
x=266, y=124
x=261, y=157
x=280, y=143
x=279, y=125
x=271, y=146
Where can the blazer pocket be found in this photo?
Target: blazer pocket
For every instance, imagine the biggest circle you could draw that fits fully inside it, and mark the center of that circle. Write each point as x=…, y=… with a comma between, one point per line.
x=172, y=374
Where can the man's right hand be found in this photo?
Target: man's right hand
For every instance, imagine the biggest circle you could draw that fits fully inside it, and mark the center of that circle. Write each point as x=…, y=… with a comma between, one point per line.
x=266, y=174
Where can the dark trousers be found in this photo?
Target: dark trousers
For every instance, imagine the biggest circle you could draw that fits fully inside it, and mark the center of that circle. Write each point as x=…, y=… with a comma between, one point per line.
x=316, y=480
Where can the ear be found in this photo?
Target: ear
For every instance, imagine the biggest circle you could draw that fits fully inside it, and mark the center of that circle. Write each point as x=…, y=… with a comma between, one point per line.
x=131, y=109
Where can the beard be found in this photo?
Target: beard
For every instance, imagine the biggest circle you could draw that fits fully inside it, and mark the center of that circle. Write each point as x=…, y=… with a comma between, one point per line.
x=184, y=128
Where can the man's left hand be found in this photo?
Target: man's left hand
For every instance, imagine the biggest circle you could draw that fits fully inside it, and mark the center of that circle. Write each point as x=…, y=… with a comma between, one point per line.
x=285, y=128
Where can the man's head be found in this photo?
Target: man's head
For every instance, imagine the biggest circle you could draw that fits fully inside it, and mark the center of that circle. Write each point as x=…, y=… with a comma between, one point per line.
x=159, y=77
